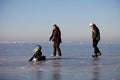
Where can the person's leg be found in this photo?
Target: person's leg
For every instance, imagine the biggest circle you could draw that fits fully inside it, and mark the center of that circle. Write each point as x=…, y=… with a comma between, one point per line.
x=97, y=49
x=95, y=46
x=54, y=50
x=43, y=57
x=58, y=49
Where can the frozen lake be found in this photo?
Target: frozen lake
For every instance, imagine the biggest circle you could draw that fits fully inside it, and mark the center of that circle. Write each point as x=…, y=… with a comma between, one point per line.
x=76, y=63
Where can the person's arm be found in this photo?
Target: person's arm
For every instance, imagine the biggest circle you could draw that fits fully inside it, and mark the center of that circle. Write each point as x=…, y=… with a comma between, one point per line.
x=51, y=36
x=32, y=58
x=94, y=33
x=34, y=54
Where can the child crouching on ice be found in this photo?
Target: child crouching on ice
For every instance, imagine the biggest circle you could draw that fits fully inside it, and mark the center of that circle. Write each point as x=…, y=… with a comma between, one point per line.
x=37, y=54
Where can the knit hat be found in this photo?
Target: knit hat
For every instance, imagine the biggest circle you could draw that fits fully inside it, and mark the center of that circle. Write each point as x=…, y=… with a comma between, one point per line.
x=91, y=24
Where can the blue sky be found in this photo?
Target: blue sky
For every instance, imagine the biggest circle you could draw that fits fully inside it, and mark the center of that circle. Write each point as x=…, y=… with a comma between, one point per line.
x=32, y=20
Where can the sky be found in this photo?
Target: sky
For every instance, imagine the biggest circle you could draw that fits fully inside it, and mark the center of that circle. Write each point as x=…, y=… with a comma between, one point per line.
x=33, y=20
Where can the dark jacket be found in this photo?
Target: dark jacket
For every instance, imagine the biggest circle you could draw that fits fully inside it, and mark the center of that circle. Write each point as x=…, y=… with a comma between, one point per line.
x=38, y=54
x=95, y=33
x=56, y=36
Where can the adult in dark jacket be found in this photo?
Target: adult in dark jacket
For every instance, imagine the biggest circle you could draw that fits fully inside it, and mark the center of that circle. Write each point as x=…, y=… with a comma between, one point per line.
x=96, y=39
x=56, y=38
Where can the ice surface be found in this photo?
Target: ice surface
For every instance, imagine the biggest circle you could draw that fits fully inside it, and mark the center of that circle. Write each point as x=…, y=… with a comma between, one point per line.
x=76, y=63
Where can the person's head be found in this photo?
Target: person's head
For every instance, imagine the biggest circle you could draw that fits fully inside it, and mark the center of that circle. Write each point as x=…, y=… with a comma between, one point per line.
x=92, y=25
x=38, y=47
x=55, y=27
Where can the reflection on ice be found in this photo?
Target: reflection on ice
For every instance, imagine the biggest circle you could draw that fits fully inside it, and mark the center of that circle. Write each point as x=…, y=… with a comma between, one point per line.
x=56, y=70
x=96, y=69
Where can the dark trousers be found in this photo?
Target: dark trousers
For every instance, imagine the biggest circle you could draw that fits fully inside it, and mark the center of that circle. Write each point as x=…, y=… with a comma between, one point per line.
x=96, y=49
x=56, y=48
